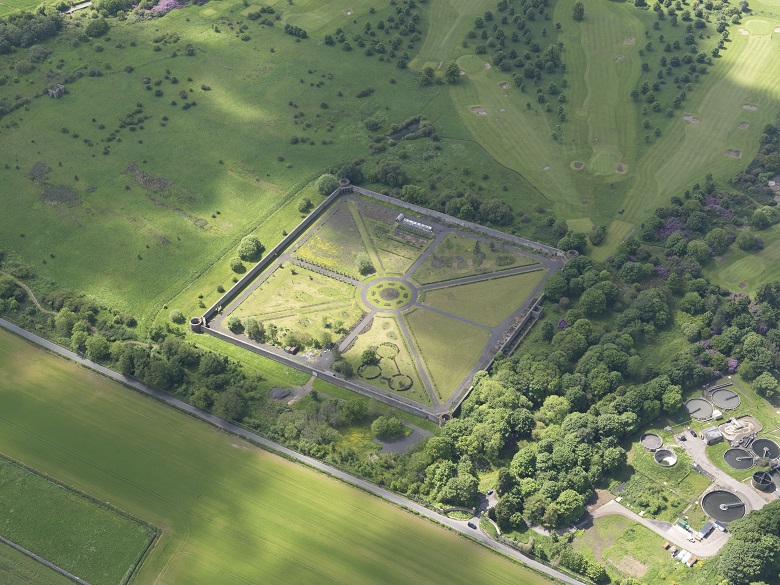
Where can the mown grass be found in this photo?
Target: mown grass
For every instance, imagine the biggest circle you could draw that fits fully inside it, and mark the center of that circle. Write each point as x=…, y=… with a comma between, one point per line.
x=746, y=271
x=230, y=513
x=488, y=302
x=18, y=569
x=84, y=538
x=8, y=6
x=449, y=348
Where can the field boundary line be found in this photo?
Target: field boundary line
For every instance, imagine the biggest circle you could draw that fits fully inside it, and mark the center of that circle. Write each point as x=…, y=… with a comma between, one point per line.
x=282, y=451
x=43, y=561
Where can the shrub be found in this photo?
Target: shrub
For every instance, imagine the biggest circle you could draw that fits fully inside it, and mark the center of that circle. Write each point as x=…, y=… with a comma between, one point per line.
x=364, y=265
x=388, y=427
x=177, y=316
x=234, y=324
x=237, y=266
x=97, y=27
x=304, y=205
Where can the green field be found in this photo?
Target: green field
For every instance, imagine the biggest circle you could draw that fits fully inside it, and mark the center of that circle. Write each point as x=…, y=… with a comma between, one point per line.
x=230, y=513
x=488, y=302
x=19, y=569
x=79, y=535
x=746, y=271
x=458, y=256
x=450, y=348
x=8, y=6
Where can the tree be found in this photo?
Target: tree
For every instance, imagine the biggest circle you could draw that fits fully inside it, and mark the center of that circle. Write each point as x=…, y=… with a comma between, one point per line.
x=698, y=250
x=326, y=184
x=97, y=347
x=97, y=27
x=451, y=72
x=234, y=324
x=354, y=410
x=364, y=265
x=593, y=302
x=765, y=385
x=718, y=239
x=390, y=173
x=388, y=428
x=230, y=405
x=578, y=11
x=253, y=329
x=369, y=357
x=749, y=241
x=304, y=205
x=250, y=248
x=672, y=399
x=344, y=368
x=554, y=410
x=571, y=507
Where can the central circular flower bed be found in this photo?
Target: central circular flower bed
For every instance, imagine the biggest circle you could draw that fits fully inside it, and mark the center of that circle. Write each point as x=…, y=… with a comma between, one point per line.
x=389, y=294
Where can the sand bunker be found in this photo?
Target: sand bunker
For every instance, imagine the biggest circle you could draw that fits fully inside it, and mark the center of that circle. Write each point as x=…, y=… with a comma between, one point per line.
x=621, y=168
x=547, y=168
x=777, y=30
x=734, y=153
x=749, y=107
x=502, y=110
x=743, y=125
x=742, y=31
x=503, y=85
x=630, y=41
x=578, y=165
x=479, y=111
x=487, y=65
x=348, y=12
x=691, y=119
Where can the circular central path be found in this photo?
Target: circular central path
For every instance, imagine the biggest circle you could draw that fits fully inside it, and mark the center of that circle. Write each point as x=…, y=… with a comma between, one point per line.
x=388, y=294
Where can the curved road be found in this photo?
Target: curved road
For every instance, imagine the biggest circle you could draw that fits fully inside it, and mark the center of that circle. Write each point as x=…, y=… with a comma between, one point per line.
x=456, y=525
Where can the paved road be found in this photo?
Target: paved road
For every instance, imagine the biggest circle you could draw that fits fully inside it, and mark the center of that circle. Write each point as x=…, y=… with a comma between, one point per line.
x=332, y=471
x=697, y=449
x=709, y=547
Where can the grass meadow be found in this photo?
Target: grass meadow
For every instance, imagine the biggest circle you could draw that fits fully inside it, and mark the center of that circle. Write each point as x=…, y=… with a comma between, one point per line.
x=449, y=348
x=8, y=6
x=73, y=532
x=230, y=513
x=488, y=302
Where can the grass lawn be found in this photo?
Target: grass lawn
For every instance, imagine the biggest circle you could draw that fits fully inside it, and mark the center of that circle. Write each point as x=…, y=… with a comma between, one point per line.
x=746, y=271
x=456, y=256
x=18, y=569
x=385, y=330
x=449, y=348
x=230, y=513
x=86, y=539
x=489, y=302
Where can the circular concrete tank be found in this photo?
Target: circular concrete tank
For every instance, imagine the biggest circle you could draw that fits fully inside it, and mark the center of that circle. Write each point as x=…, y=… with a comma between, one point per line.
x=699, y=408
x=651, y=441
x=765, y=448
x=725, y=399
x=723, y=506
x=665, y=457
x=738, y=459
x=762, y=481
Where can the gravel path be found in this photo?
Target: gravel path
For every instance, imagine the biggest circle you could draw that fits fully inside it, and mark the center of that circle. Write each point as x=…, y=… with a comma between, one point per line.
x=458, y=526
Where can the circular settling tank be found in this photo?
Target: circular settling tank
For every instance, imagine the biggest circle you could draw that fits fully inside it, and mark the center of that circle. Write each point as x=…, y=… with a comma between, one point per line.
x=665, y=457
x=725, y=399
x=765, y=448
x=762, y=480
x=699, y=408
x=738, y=459
x=723, y=506
x=651, y=441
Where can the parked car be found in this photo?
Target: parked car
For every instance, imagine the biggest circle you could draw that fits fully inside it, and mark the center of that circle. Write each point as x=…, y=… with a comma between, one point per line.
x=472, y=525
x=490, y=492
x=693, y=433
